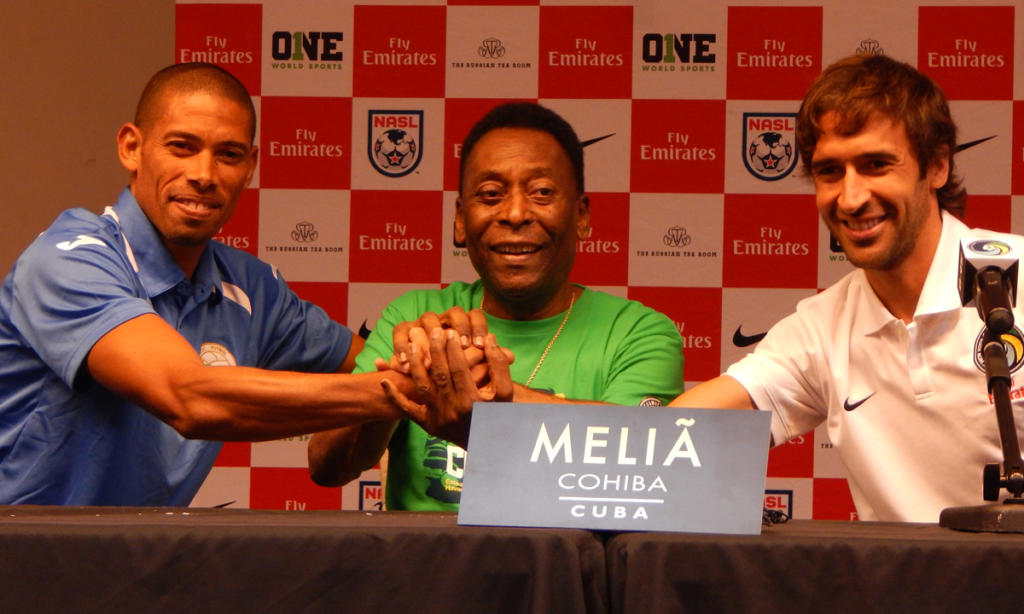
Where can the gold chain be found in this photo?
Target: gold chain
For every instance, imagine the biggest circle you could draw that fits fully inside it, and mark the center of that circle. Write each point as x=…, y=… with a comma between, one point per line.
x=568, y=312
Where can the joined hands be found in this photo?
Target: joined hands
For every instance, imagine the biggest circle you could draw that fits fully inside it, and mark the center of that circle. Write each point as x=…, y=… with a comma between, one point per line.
x=453, y=362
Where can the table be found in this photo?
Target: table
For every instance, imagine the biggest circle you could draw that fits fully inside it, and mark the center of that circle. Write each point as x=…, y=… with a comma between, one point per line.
x=114, y=560
x=220, y=560
x=818, y=566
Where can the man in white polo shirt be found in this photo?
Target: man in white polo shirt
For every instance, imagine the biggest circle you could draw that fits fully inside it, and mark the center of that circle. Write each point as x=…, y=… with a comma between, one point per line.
x=887, y=357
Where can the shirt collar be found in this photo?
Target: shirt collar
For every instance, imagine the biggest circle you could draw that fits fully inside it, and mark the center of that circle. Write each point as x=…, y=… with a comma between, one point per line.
x=939, y=294
x=154, y=264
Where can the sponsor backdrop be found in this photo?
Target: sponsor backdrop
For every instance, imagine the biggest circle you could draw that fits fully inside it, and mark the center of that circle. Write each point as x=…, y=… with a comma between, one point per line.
x=699, y=207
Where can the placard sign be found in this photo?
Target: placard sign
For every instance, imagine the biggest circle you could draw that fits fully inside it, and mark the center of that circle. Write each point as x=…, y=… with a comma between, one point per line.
x=615, y=468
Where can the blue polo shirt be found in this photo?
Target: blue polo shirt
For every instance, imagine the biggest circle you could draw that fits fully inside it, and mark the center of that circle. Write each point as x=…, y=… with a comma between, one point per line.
x=65, y=439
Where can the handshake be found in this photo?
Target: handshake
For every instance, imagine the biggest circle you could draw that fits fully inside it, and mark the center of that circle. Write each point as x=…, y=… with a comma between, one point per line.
x=453, y=362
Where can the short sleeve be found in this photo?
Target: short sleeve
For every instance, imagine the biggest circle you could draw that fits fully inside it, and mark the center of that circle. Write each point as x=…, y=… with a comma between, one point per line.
x=780, y=377
x=298, y=335
x=69, y=291
x=648, y=364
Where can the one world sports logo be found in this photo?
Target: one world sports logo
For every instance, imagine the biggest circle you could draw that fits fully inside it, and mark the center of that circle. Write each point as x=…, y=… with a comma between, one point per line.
x=395, y=141
x=768, y=144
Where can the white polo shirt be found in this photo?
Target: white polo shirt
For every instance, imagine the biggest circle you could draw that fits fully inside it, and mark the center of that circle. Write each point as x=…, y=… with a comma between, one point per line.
x=906, y=405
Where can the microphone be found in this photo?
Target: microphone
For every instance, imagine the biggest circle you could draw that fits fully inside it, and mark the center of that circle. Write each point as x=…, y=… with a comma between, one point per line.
x=988, y=276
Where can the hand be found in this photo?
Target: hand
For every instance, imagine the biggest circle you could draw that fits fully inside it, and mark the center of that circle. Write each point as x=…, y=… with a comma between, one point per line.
x=470, y=327
x=448, y=389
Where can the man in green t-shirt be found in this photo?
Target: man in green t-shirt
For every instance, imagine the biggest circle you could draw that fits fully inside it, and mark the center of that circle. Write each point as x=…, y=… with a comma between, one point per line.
x=520, y=211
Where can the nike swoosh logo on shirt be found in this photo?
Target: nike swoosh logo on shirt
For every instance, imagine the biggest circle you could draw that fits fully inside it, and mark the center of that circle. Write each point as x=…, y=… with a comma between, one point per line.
x=78, y=242
x=741, y=341
x=848, y=406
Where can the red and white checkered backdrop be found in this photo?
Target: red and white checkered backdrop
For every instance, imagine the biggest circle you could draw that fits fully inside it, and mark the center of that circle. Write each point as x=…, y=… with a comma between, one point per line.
x=699, y=207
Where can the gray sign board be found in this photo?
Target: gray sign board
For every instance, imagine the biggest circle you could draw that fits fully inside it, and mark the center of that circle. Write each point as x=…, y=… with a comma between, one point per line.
x=615, y=468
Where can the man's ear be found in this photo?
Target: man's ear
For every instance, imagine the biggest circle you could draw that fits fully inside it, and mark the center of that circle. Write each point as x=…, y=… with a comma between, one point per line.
x=129, y=146
x=938, y=172
x=459, y=234
x=583, y=217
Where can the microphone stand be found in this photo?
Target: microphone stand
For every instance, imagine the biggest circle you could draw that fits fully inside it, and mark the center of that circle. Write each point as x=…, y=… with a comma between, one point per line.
x=1008, y=516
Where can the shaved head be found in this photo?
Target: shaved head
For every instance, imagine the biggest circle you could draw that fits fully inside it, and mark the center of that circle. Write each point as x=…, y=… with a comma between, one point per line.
x=189, y=78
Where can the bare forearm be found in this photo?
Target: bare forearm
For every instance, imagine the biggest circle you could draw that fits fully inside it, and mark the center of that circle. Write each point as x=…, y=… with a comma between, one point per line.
x=146, y=361
x=722, y=392
x=241, y=403
x=339, y=456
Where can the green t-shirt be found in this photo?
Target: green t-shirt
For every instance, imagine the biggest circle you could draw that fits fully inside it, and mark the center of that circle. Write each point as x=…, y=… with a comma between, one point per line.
x=611, y=349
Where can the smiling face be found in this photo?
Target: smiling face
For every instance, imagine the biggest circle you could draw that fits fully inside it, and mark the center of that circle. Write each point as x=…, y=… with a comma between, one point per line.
x=873, y=197
x=188, y=167
x=520, y=214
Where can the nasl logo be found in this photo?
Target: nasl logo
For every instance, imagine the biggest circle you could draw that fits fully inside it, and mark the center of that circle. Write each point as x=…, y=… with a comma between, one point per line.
x=768, y=151
x=371, y=495
x=779, y=501
x=395, y=141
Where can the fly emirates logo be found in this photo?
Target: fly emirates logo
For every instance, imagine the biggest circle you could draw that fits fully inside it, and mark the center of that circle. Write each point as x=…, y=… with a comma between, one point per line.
x=584, y=53
x=395, y=239
x=216, y=52
x=398, y=53
x=305, y=145
x=965, y=55
x=1016, y=392
x=773, y=54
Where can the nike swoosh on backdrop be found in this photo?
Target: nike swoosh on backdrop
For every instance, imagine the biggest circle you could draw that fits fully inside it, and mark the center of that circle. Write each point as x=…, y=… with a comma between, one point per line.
x=963, y=146
x=741, y=341
x=595, y=140
x=848, y=406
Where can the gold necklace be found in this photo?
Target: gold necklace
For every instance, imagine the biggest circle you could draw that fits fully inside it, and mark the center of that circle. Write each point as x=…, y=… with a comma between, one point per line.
x=568, y=312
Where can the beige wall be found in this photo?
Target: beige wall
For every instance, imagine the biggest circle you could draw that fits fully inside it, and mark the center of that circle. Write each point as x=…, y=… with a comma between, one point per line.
x=71, y=73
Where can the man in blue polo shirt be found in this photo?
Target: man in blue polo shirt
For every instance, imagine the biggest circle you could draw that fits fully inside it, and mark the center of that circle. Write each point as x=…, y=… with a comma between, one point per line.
x=109, y=324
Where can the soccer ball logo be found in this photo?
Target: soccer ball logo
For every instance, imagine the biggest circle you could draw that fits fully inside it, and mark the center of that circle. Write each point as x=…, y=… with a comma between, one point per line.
x=216, y=355
x=770, y=153
x=394, y=150
x=394, y=143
